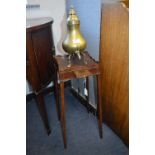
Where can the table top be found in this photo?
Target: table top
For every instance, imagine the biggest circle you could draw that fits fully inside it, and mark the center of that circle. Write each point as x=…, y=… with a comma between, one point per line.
x=76, y=68
x=35, y=23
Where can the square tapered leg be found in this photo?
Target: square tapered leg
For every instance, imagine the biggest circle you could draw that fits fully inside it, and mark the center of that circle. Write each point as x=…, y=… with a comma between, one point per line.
x=63, y=122
x=56, y=94
x=99, y=104
x=43, y=113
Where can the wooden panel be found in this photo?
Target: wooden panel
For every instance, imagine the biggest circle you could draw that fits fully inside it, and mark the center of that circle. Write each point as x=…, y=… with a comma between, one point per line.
x=42, y=46
x=114, y=68
x=39, y=51
x=31, y=71
x=39, y=68
x=126, y=2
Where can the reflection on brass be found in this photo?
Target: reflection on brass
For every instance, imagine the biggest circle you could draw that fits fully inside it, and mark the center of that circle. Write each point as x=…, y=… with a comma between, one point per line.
x=74, y=42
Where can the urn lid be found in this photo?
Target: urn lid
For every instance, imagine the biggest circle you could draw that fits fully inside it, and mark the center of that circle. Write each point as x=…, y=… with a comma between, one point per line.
x=72, y=18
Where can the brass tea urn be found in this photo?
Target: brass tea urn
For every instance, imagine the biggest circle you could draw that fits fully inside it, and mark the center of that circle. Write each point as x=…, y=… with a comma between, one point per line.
x=74, y=42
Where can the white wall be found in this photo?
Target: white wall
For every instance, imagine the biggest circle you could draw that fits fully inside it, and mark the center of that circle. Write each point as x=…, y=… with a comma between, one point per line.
x=55, y=9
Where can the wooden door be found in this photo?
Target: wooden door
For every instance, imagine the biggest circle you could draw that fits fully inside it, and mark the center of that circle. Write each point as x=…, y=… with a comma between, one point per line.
x=114, y=68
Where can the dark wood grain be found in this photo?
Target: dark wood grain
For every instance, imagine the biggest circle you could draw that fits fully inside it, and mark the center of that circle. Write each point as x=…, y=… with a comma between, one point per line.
x=63, y=122
x=31, y=70
x=77, y=68
x=43, y=113
x=42, y=46
x=114, y=66
x=99, y=107
x=56, y=93
x=40, y=70
x=39, y=51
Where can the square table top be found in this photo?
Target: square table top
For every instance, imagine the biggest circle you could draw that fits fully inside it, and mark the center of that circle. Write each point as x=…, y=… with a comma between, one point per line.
x=75, y=67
